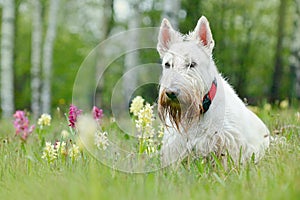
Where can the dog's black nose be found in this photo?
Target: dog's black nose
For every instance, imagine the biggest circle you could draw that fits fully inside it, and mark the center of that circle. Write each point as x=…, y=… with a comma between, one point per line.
x=172, y=93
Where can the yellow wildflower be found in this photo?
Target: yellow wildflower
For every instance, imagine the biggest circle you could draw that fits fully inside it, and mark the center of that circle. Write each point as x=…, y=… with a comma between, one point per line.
x=79, y=143
x=149, y=138
x=284, y=104
x=297, y=116
x=64, y=134
x=44, y=120
x=136, y=105
x=254, y=109
x=112, y=120
x=267, y=107
x=145, y=119
x=160, y=132
x=74, y=152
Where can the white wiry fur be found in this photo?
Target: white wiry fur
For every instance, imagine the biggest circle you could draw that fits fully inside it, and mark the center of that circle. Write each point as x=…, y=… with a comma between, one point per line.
x=227, y=127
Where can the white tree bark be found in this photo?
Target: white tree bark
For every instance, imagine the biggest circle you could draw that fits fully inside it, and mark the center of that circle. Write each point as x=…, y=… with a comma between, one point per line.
x=171, y=10
x=36, y=45
x=132, y=58
x=7, y=54
x=295, y=49
x=48, y=56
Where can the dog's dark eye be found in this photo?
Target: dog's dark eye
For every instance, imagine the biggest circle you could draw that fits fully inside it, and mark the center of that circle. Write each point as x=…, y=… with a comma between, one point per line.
x=167, y=65
x=192, y=65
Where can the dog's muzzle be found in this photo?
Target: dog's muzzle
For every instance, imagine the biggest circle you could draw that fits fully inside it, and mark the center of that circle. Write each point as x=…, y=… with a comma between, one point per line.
x=172, y=93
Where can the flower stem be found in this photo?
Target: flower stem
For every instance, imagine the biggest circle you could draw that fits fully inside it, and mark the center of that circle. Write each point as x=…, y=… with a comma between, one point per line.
x=23, y=147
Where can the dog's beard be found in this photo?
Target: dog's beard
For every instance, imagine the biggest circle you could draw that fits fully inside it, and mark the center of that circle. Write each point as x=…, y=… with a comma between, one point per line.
x=181, y=112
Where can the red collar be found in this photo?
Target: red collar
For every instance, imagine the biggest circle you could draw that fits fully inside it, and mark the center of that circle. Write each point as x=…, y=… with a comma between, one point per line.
x=208, y=98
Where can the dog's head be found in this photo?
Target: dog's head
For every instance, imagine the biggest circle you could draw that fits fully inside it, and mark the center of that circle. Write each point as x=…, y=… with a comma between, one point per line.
x=188, y=71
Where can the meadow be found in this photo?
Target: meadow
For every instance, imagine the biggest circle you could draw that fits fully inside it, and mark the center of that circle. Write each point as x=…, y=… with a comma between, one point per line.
x=26, y=174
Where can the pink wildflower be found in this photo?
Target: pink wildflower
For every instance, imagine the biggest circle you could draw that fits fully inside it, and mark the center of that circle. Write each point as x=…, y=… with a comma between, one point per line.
x=73, y=114
x=97, y=113
x=21, y=124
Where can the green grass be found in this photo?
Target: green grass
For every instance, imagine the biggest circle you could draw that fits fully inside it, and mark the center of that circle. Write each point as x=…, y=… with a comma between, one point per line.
x=27, y=176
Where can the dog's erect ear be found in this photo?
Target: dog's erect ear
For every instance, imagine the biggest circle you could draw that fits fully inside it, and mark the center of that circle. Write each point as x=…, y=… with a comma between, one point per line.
x=203, y=34
x=167, y=35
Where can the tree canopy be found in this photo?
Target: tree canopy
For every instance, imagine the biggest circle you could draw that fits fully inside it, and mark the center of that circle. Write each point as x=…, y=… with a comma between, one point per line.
x=251, y=37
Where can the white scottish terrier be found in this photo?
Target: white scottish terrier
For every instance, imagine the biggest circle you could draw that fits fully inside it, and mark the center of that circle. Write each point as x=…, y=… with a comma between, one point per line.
x=201, y=112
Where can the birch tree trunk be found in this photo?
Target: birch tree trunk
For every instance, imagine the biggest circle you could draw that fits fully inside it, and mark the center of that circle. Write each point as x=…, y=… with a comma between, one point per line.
x=48, y=56
x=295, y=49
x=171, y=9
x=7, y=56
x=132, y=58
x=36, y=45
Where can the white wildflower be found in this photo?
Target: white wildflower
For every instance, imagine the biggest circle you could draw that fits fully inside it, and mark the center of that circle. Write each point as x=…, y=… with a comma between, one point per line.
x=101, y=140
x=49, y=153
x=61, y=148
x=150, y=146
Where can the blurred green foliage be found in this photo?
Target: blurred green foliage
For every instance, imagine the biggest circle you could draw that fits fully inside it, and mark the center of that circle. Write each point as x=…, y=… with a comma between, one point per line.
x=244, y=33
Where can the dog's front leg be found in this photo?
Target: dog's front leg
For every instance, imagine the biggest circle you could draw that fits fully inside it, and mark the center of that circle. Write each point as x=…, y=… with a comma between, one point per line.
x=174, y=148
